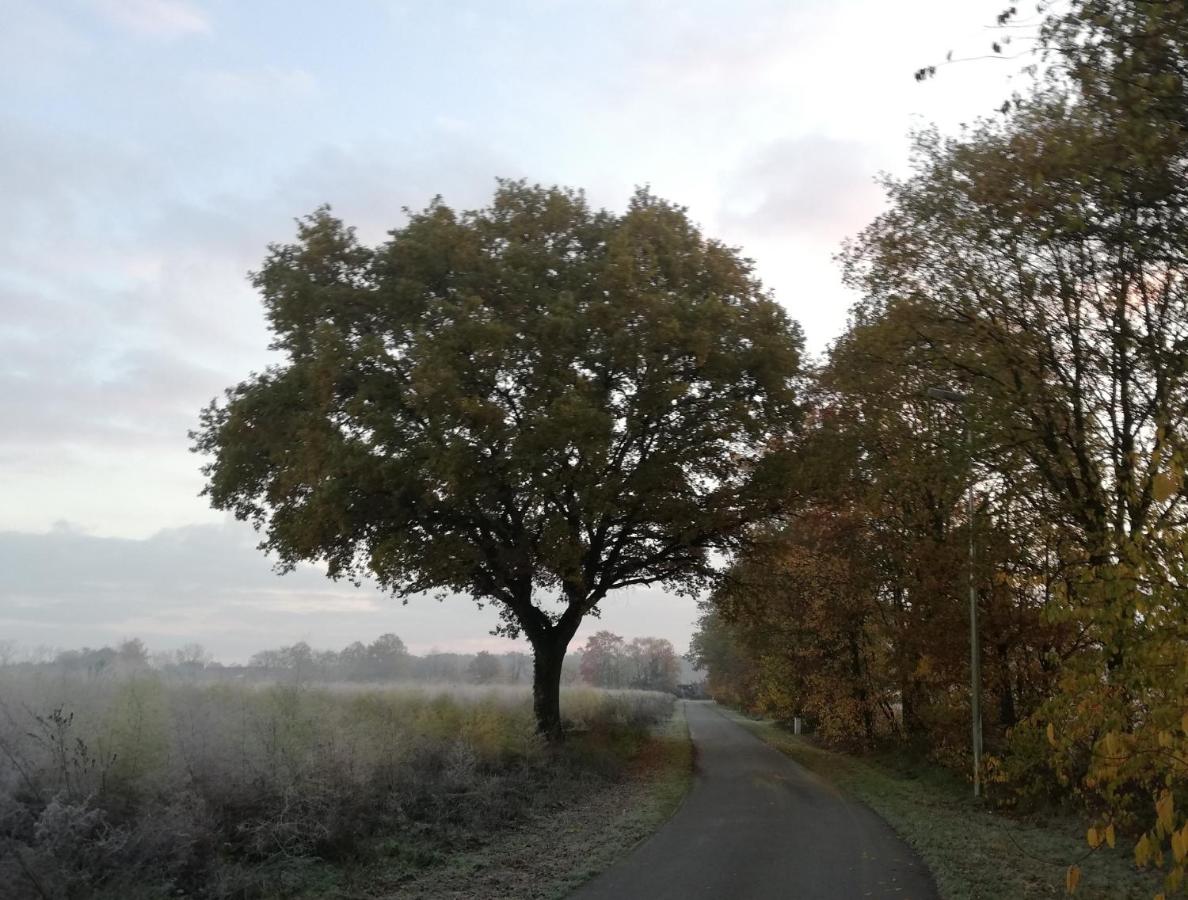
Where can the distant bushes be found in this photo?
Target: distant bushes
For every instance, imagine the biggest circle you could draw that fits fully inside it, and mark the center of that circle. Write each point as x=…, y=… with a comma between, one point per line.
x=141, y=787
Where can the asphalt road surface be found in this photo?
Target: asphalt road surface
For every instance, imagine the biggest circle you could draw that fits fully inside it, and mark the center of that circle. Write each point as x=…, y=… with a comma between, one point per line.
x=757, y=826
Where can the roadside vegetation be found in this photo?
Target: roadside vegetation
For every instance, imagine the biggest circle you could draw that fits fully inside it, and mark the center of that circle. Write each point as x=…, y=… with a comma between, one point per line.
x=1033, y=268
x=135, y=785
x=558, y=848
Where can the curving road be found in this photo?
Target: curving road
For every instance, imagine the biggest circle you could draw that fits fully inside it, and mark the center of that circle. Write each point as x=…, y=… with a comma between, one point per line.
x=757, y=826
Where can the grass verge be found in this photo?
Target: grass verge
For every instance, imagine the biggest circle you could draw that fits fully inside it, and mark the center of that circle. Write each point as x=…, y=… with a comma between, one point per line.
x=974, y=853
x=552, y=853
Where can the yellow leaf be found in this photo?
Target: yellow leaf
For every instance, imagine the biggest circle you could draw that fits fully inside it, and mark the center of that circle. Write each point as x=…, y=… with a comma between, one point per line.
x=1051, y=734
x=1072, y=878
x=1094, y=838
x=1142, y=851
x=1109, y=835
x=1163, y=486
x=1165, y=809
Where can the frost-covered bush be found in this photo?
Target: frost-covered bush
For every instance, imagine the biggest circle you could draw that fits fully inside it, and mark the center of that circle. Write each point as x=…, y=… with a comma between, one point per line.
x=136, y=787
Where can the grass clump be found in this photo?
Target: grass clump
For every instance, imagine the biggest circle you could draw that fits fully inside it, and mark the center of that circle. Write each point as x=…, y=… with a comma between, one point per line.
x=137, y=787
x=973, y=852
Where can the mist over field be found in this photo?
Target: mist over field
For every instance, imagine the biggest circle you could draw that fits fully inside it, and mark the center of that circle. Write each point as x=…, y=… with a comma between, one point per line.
x=129, y=772
x=143, y=784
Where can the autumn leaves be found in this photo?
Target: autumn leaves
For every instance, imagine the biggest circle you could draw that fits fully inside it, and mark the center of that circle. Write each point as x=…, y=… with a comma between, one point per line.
x=1036, y=261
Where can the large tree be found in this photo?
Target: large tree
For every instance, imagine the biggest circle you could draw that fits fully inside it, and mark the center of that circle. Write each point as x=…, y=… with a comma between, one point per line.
x=535, y=404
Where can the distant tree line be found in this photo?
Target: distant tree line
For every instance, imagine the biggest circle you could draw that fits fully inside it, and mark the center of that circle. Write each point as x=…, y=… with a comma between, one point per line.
x=643, y=663
x=387, y=659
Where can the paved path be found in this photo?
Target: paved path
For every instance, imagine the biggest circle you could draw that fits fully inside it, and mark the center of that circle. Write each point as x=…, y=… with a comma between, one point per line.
x=757, y=826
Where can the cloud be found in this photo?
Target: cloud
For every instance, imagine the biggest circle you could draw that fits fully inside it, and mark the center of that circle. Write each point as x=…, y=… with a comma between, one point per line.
x=268, y=83
x=716, y=49
x=809, y=187
x=209, y=583
x=124, y=303
x=155, y=18
x=144, y=397
x=39, y=45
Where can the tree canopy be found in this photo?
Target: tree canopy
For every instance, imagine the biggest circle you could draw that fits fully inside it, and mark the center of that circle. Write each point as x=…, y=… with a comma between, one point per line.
x=534, y=404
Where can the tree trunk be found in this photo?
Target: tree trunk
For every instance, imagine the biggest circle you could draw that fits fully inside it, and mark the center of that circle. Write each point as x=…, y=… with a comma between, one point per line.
x=1006, y=702
x=908, y=711
x=548, y=655
x=863, y=696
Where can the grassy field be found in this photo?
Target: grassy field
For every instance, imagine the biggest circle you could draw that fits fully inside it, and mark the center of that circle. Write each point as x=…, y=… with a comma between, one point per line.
x=974, y=854
x=136, y=787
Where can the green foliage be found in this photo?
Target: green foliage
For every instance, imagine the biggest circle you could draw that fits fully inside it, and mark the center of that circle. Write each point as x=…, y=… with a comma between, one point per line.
x=532, y=403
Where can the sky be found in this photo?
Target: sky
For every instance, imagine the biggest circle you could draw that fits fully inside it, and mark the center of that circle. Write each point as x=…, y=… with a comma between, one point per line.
x=151, y=149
